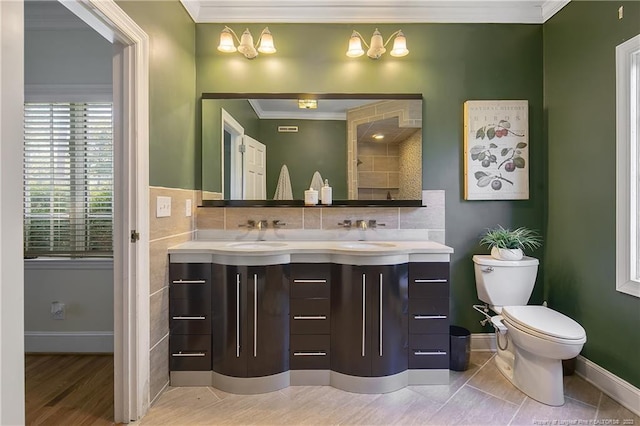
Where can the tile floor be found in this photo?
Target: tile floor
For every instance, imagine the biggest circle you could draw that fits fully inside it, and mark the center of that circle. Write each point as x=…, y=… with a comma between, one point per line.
x=478, y=396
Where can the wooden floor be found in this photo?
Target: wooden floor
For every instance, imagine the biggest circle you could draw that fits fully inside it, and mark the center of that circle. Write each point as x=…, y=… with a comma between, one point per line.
x=69, y=389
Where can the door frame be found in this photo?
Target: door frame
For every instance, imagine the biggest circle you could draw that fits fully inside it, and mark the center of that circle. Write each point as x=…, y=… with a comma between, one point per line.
x=235, y=129
x=131, y=208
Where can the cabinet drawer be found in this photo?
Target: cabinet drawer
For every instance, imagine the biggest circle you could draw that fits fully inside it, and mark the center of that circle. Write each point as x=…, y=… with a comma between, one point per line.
x=190, y=280
x=310, y=352
x=429, y=351
x=310, y=316
x=190, y=316
x=428, y=280
x=428, y=316
x=190, y=352
x=310, y=280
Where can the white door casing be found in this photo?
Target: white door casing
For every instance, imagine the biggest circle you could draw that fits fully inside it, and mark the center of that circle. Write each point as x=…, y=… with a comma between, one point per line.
x=235, y=129
x=131, y=163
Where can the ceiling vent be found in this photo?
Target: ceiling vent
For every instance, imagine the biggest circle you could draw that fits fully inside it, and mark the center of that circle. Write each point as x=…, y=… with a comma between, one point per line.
x=288, y=129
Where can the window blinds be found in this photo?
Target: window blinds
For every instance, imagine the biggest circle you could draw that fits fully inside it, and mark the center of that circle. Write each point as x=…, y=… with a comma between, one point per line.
x=68, y=179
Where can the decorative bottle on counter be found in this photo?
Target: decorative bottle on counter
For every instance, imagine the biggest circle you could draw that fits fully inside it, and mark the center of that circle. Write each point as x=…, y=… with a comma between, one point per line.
x=310, y=197
x=326, y=193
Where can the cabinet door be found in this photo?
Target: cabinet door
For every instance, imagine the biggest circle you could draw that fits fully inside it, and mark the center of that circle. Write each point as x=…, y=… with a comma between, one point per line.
x=268, y=320
x=389, y=328
x=229, y=320
x=350, y=322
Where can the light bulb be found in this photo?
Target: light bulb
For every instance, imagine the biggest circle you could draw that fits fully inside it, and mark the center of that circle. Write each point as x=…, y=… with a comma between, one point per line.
x=355, y=46
x=377, y=46
x=266, y=42
x=226, y=41
x=399, y=46
x=246, y=45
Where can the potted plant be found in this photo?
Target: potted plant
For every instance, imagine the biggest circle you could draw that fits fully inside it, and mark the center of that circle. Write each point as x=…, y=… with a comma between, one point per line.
x=508, y=244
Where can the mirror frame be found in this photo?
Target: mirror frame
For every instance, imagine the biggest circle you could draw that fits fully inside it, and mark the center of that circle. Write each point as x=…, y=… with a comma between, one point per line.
x=302, y=95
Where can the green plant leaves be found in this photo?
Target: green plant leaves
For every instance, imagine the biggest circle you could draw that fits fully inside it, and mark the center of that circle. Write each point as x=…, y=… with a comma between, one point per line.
x=484, y=181
x=519, y=162
x=491, y=133
x=480, y=133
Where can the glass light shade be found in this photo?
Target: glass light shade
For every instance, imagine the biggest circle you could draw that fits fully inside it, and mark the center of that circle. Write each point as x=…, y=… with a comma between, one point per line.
x=246, y=45
x=266, y=42
x=399, y=46
x=355, y=46
x=307, y=103
x=226, y=42
x=377, y=46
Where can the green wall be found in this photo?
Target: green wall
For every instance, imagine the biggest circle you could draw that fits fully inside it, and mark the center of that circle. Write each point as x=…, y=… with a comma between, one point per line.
x=319, y=145
x=173, y=152
x=448, y=64
x=579, y=57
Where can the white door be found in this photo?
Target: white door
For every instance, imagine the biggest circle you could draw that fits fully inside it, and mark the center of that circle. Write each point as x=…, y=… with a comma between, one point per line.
x=254, y=169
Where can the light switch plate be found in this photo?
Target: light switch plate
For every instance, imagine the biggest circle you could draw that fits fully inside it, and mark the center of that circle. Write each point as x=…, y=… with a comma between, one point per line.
x=163, y=206
x=187, y=207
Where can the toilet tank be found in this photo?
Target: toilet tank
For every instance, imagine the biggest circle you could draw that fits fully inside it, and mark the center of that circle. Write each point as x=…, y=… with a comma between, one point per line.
x=505, y=282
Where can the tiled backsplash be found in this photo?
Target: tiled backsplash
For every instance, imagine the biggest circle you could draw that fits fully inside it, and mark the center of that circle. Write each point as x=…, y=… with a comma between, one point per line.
x=393, y=222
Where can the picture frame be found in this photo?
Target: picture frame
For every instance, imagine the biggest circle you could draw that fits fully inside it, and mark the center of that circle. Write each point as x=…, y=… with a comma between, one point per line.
x=496, y=150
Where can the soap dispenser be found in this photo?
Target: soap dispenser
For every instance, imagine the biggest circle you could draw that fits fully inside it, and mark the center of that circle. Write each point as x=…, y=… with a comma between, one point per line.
x=326, y=193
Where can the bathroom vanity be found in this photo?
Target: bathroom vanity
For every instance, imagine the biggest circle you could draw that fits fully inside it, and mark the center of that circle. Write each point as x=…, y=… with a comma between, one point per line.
x=257, y=316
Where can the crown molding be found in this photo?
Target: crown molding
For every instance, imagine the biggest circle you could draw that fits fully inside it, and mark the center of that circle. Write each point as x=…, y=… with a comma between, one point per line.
x=373, y=11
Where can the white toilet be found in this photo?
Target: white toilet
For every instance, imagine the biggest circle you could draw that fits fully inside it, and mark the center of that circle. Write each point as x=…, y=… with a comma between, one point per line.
x=532, y=340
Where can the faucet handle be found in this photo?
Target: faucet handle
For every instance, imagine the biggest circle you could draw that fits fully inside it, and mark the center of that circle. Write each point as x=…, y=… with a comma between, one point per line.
x=250, y=224
x=374, y=223
x=278, y=224
x=345, y=223
x=262, y=224
x=362, y=224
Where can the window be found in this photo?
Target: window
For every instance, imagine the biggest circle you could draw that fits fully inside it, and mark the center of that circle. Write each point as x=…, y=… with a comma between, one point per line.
x=68, y=179
x=628, y=167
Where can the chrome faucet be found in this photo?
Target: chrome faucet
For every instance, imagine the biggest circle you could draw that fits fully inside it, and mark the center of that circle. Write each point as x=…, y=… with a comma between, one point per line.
x=262, y=224
x=362, y=224
x=252, y=224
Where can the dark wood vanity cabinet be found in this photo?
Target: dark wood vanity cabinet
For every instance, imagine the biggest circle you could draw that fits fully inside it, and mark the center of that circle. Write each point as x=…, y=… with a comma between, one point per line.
x=369, y=307
x=429, y=315
x=310, y=319
x=250, y=324
x=190, y=316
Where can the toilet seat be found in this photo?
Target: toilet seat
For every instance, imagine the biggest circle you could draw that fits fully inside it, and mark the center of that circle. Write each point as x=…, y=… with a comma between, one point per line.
x=544, y=323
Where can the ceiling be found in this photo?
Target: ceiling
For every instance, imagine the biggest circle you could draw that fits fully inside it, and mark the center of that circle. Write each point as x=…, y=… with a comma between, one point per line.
x=373, y=11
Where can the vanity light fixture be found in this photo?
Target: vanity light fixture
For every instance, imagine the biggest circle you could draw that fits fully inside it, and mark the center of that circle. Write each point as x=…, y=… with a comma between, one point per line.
x=245, y=43
x=378, y=46
x=378, y=136
x=307, y=103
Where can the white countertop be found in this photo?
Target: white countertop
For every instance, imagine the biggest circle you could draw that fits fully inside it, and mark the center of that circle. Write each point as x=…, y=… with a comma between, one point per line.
x=282, y=252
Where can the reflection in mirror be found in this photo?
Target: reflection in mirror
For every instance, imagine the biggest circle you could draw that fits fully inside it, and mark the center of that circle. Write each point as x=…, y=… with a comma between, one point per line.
x=265, y=148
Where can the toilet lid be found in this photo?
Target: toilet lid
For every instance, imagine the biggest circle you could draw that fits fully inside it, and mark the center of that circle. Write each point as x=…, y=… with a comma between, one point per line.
x=486, y=260
x=543, y=320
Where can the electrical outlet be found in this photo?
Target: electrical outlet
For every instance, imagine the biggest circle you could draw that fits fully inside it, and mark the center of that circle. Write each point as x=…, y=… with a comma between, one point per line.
x=163, y=206
x=57, y=310
x=187, y=208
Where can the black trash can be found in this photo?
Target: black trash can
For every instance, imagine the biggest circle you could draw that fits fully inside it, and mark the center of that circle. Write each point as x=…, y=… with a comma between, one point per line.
x=460, y=348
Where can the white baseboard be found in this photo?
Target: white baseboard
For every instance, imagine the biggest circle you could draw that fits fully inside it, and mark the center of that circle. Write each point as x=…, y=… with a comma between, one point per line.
x=618, y=389
x=621, y=391
x=68, y=341
x=484, y=342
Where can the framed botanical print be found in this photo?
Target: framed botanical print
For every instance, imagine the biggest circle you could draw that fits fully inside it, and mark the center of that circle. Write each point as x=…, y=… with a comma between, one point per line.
x=496, y=150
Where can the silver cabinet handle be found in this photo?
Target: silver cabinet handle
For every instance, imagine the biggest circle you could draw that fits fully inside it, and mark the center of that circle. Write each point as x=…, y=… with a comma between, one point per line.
x=194, y=354
x=237, y=315
x=380, y=348
x=422, y=317
x=189, y=318
x=364, y=307
x=310, y=317
x=309, y=354
x=301, y=281
x=430, y=280
x=429, y=353
x=181, y=281
x=255, y=315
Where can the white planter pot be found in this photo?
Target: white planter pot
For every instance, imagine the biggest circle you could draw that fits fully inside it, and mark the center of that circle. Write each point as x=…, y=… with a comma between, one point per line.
x=506, y=254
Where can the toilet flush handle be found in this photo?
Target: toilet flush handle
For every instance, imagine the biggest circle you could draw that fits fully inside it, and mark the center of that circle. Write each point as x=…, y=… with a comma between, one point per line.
x=488, y=269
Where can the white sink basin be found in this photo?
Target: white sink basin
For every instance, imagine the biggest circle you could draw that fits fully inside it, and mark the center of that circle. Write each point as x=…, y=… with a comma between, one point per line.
x=256, y=245
x=366, y=245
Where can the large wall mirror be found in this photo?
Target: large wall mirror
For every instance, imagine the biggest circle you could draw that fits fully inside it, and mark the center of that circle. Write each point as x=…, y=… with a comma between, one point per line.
x=266, y=147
